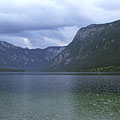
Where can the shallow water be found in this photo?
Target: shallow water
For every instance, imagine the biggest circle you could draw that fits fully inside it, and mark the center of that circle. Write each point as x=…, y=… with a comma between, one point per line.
x=59, y=97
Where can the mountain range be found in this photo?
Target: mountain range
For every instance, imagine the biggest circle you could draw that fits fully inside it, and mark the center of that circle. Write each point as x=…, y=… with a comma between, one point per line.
x=14, y=57
x=96, y=46
x=93, y=47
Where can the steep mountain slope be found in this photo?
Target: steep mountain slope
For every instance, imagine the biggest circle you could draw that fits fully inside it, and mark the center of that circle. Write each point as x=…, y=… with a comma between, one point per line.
x=24, y=58
x=94, y=46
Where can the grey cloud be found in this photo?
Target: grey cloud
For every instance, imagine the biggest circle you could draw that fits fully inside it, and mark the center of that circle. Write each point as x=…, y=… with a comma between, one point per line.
x=38, y=17
x=45, y=22
x=37, y=38
x=109, y=4
x=38, y=23
x=17, y=23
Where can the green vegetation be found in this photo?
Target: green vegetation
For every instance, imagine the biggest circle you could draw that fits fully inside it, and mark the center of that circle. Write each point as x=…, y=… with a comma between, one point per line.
x=11, y=70
x=103, y=69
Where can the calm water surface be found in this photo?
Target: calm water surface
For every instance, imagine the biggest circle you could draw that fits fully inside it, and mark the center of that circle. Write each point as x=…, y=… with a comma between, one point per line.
x=59, y=97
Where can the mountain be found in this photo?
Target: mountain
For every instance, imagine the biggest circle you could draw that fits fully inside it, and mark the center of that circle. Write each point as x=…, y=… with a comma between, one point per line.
x=23, y=58
x=93, y=47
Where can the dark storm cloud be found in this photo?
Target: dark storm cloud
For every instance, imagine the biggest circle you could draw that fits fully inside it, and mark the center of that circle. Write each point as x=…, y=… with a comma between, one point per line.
x=14, y=23
x=41, y=23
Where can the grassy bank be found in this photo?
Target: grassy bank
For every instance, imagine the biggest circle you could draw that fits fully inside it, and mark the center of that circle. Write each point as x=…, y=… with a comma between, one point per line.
x=11, y=70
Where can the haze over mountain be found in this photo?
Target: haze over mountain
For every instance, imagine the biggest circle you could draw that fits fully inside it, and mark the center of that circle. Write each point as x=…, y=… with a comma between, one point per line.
x=94, y=46
x=23, y=58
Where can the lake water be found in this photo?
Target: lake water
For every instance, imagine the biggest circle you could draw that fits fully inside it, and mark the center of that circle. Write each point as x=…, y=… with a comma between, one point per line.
x=48, y=96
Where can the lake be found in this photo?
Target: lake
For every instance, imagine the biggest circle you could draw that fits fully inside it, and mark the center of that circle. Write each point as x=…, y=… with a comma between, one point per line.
x=59, y=96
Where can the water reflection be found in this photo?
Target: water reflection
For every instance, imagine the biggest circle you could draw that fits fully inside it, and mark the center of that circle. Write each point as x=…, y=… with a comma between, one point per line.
x=59, y=97
x=96, y=83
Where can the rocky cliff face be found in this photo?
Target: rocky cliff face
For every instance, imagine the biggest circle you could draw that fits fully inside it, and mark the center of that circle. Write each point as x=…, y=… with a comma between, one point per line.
x=24, y=58
x=93, y=46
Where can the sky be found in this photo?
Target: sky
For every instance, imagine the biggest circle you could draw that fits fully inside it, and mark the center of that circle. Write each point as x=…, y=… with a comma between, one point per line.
x=43, y=23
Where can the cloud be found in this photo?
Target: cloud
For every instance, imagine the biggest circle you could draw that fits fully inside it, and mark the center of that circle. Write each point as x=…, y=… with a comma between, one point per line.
x=111, y=5
x=51, y=15
x=42, y=23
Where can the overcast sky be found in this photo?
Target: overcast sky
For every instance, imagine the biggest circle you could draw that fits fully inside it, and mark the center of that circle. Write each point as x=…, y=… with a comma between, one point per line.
x=42, y=23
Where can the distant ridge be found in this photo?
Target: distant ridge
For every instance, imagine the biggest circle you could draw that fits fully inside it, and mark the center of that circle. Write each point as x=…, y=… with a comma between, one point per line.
x=13, y=57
